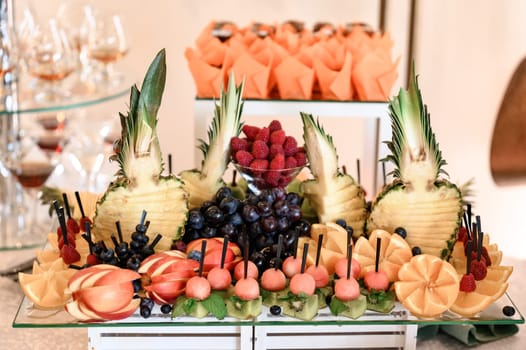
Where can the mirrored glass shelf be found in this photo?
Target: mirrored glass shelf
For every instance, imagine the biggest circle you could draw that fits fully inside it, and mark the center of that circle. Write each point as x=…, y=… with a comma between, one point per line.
x=80, y=93
x=29, y=317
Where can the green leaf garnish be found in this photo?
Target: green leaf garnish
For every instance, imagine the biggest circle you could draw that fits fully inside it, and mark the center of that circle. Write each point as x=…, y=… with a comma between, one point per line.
x=337, y=306
x=215, y=305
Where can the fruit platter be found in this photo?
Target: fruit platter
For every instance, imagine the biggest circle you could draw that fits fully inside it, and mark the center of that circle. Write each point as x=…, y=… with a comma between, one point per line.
x=290, y=240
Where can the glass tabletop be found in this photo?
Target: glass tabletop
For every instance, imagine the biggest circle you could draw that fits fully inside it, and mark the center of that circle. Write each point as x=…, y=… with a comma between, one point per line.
x=81, y=93
x=29, y=317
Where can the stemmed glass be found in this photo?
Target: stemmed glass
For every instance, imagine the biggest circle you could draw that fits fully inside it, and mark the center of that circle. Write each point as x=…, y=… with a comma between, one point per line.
x=8, y=51
x=31, y=167
x=51, y=58
x=107, y=44
x=88, y=149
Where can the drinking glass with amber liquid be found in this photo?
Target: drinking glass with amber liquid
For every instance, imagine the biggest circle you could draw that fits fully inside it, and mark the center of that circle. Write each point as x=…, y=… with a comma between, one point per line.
x=51, y=59
x=31, y=167
x=107, y=44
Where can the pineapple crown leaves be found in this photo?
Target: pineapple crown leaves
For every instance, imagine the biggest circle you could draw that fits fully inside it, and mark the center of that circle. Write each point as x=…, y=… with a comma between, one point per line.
x=413, y=139
x=139, y=125
x=310, y=124
x=226, y=124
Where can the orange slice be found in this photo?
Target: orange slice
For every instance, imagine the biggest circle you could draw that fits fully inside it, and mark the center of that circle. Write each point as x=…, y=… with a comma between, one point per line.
x=427, y=285
x=487, y=292
x=468, y=304
x=498, y=273
x=394, y=253
x=46, y=286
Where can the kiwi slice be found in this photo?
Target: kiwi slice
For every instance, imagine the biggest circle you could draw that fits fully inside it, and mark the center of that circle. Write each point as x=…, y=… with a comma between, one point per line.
x=323, y=293
x=199, y=311
x=273, y=298
x=242, y=309
x=303, y=308
x=383, y=301
x=352, y=309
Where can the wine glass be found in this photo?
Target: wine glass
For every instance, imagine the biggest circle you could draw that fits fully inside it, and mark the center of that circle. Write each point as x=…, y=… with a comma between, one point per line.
x=88, y=148
x=51, y=59
x=8, y=51
x=107, y=44
x=31, y=167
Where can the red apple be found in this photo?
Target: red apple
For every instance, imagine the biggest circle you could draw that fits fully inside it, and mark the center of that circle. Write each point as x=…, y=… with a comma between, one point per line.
x=76, y=280
x=74, y=310
x=183, y=264
x=108, y=298
x=213, y=258
x=116, y=277
x=123, y=313
x=176, y=275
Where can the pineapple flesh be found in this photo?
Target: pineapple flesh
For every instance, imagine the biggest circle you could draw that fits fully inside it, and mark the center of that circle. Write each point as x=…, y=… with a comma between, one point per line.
x=332, y=194
x=139, y=184
x=203, y=184
x=420, y=199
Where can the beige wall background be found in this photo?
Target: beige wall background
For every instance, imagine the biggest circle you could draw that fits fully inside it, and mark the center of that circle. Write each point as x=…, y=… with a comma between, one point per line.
x=465, y=54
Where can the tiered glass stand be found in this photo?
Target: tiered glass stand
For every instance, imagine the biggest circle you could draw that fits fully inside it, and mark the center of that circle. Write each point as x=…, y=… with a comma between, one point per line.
x=397, y=329
x=83, y=96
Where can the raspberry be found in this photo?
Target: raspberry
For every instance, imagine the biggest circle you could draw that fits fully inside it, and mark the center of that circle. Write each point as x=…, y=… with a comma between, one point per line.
x=284, y=180
x=301, y=158
x=243, y=158
x=467, y=283
x=259, y=164
x=290, y=146
x=290, y=162
x=478, y=269
x=263, y=134
x=260, y=149
x=482, y=258
x=277, y=163
x=462, y=234
x=275, y=150
x=274, y=125
x=250, y=131
x=272, y=178
x=238, y=144
x=278, y=137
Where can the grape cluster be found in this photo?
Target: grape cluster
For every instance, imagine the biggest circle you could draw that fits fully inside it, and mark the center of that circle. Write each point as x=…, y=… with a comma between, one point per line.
x=262, y=217
x=124, y=254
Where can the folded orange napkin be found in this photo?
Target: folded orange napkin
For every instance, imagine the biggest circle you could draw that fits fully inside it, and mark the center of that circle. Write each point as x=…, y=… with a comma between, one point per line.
x=294, y=79
x=255, y=75
x=334, y=84
x=291, y=61
x=373, y=77
x=208, y=79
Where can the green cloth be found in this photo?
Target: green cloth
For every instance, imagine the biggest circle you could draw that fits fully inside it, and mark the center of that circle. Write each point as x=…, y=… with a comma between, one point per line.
x=469, y=334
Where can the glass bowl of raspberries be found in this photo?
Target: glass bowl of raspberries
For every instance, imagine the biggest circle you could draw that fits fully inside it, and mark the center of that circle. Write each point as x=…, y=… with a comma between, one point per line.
x=266, y=157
